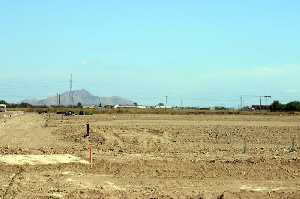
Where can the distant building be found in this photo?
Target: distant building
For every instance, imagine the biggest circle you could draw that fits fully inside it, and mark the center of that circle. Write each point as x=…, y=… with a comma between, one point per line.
x=90, y=107
x=217, y=108
x=124, y=106
x=2, y=108
x=141, y=107
x=108, y=106
x=261, y=107
x=130, y=106
x=163, y=107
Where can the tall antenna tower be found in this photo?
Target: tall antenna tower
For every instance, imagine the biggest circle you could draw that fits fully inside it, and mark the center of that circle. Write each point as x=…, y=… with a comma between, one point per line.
x=71, y=93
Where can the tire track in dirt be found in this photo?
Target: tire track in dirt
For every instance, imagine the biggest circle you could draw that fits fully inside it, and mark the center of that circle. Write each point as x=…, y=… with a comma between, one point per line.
x=13, y=186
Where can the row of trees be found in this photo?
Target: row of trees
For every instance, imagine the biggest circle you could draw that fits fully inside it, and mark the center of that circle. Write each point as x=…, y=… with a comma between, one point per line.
x=26, y=105
x=275, y=106
x=291, y=106
x=16, y=105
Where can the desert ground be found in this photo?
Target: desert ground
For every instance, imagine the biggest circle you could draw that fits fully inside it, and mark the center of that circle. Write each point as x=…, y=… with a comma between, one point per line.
x=149, y=156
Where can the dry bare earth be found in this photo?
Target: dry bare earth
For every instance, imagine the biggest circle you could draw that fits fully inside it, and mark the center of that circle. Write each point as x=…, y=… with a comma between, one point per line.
x=154, y=156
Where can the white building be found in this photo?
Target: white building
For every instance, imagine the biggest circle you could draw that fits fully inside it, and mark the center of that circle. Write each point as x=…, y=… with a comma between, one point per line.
x=2, y=108
x=163, y=107
x=129, y=106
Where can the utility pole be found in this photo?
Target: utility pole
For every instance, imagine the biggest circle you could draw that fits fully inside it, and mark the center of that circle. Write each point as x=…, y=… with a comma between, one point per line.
x=266, y=98
x=99, y=102
x=166, y=102
x=181, y=102
x=59, y=99
x=241, y=102
x=71, y=93
x=260, y=102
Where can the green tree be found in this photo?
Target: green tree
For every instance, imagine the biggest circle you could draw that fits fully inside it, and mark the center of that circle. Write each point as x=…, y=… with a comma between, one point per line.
x=79, y=105
x=293, y=106
x=3, y=102
x=277, y=106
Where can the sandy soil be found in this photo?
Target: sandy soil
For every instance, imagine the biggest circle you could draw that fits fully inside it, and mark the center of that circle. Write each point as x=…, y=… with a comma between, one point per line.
x=153, y=156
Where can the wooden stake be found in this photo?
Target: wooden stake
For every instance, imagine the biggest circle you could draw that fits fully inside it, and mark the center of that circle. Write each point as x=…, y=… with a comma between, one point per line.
x=87, y=129
x=91, y=155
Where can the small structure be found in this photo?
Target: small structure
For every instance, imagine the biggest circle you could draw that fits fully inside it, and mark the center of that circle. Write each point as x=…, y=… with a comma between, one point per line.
x=261, y=107
x=2, y=108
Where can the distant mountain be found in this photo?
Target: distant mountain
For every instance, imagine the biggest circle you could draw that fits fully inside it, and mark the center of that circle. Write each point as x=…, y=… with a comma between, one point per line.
x=82, y=96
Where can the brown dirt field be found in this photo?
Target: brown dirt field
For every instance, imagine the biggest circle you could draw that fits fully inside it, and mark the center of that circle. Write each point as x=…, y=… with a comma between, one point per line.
x=154, y=156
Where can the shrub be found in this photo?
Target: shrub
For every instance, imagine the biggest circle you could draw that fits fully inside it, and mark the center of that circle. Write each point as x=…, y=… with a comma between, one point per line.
x=293, y=106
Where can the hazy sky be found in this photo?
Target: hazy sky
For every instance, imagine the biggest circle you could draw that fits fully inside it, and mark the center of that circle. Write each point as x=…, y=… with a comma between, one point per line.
x=205, y=52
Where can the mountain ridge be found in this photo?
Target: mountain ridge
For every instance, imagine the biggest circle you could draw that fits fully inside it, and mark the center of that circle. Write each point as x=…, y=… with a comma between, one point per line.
x=79, y=96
